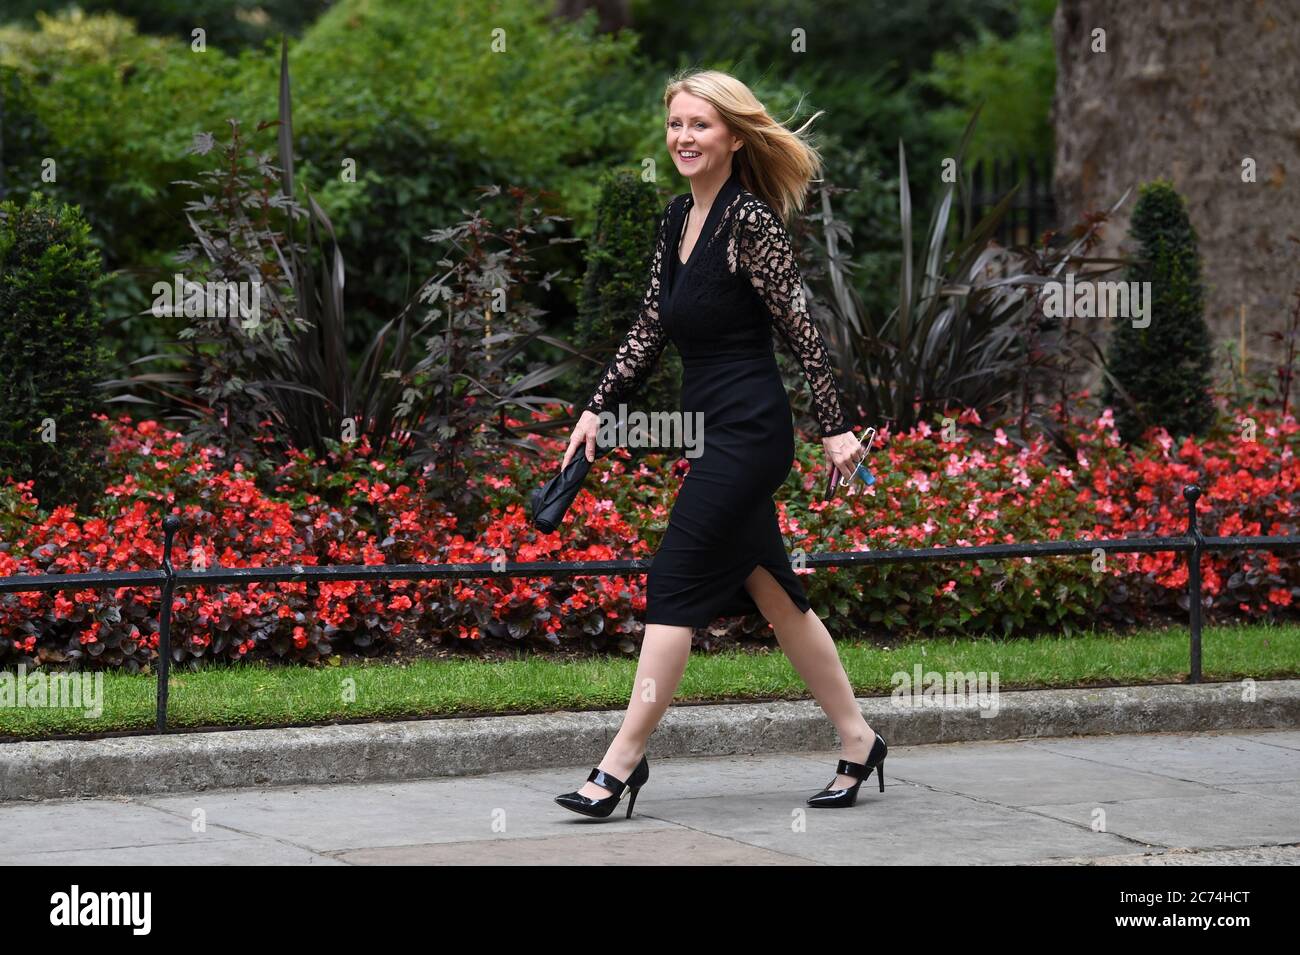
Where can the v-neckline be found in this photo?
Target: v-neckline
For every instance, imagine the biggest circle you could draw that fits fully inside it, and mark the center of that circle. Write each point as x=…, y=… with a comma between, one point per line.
x=681, y=234
x=723, y=193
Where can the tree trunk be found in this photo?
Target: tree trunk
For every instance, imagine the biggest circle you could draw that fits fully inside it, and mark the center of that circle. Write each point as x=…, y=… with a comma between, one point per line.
x=1190, y=90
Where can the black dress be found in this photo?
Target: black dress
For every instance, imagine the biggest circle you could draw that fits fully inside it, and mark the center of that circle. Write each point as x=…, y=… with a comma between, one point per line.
x=718, y=309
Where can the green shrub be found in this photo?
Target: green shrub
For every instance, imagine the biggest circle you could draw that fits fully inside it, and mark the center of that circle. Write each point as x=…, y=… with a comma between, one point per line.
x=434, y=384
x=1165, y=366
x=411, y=96
x=116, y=112
x=229, y=23
x=50, y=351
x=21, y=134
x=1012, y=76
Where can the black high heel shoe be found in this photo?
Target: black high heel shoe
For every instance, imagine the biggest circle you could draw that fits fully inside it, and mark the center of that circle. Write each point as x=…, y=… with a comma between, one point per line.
x=603, y=807
x=847, y=797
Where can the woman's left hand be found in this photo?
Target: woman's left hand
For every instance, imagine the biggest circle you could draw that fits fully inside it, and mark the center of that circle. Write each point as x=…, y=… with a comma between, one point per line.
x=844, y=451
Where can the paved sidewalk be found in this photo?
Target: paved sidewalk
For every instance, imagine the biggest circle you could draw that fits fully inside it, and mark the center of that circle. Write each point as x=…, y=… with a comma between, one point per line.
x=414, y=750
x=1169, y=798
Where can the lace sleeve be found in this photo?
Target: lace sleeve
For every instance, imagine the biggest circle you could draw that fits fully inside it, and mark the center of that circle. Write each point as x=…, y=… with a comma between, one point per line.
x=632, y=363
x=765, y=254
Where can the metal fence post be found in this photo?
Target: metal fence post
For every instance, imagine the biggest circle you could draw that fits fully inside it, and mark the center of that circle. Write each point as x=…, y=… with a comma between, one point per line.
x=171, y=524
x=1190, y=493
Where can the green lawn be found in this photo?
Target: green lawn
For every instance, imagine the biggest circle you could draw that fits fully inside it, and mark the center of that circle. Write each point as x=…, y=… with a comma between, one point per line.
x=255, y=695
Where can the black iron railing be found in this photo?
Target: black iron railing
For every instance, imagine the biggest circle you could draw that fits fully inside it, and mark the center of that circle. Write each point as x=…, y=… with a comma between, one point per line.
x=168, y=578
x=1033, y=208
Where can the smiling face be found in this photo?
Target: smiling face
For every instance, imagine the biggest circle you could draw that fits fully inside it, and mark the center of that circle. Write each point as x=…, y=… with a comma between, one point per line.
x=698, y=140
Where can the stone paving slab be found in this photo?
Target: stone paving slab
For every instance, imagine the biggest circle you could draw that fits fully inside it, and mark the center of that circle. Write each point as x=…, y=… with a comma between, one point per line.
x=1214, y=798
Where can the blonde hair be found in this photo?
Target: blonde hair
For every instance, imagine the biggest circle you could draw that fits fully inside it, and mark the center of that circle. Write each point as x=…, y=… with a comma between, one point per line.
x=775, y=163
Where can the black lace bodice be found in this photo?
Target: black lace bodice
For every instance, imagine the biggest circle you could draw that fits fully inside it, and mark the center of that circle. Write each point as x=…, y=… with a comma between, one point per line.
x=740, y=279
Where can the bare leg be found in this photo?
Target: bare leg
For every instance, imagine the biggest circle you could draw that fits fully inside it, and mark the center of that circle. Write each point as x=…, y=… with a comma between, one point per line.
x=811, y=650
x=664, y=651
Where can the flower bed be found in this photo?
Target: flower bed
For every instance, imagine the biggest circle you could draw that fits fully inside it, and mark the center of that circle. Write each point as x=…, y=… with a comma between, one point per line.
x=354, y=507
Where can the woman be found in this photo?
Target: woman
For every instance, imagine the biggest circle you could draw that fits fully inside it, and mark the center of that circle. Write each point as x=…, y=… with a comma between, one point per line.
x=723, y=273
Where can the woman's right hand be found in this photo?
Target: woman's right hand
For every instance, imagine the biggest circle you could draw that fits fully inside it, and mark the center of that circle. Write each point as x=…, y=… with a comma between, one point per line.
x=584, y=432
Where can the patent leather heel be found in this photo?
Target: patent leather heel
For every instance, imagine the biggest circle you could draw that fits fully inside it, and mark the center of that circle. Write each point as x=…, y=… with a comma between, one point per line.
x=600, y=808
x=836, y=798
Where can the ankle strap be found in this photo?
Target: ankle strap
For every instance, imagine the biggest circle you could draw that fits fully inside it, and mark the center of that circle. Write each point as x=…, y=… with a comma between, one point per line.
x=856, y=770
x=605, y=781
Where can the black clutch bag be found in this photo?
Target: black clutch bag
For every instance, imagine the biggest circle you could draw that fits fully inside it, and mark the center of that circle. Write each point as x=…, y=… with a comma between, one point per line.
x=551, y=501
